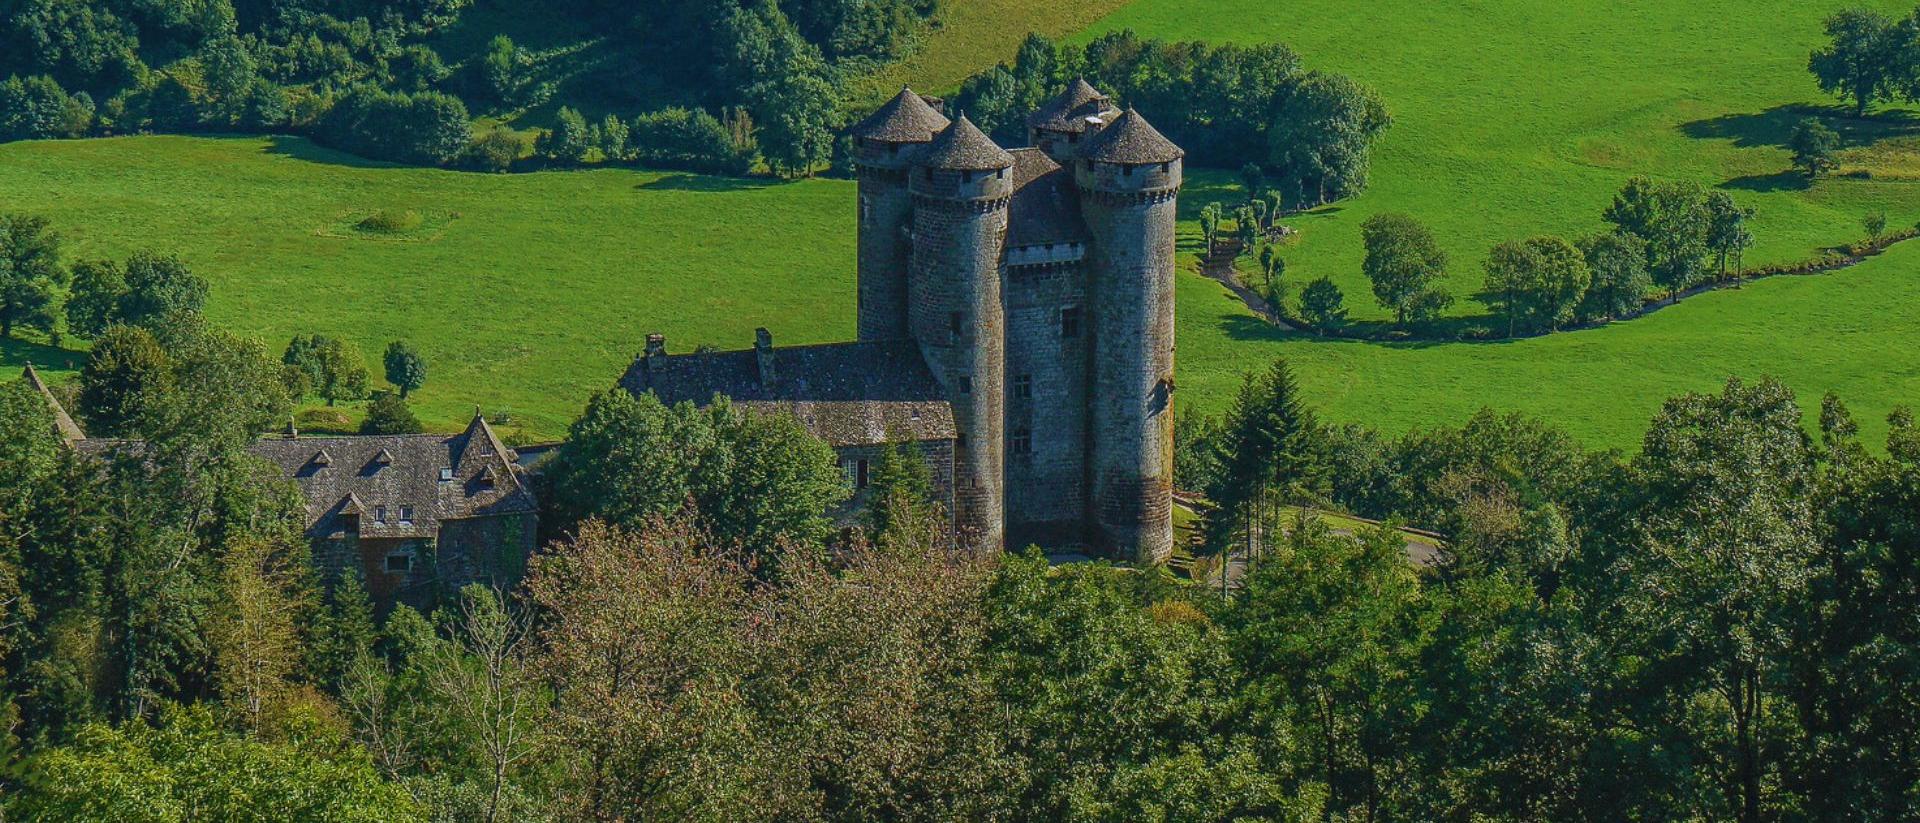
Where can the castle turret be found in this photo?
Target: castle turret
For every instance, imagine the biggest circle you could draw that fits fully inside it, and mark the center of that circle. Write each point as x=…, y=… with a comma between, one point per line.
x=1060, y=124
x=885, y=147
x=1130, y=176
x=961, y=186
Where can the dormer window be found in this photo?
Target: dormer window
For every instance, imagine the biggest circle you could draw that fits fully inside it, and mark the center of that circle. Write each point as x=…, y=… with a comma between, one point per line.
x=322, y=459
x=406, y=515
x=380, y=514
x=446, y=475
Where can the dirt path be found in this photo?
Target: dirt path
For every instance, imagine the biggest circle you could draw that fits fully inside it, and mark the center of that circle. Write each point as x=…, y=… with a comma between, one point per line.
x=1218, y=266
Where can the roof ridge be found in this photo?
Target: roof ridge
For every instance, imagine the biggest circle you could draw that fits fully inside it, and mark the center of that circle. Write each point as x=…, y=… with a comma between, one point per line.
x=1131, y=140
x=63, y=423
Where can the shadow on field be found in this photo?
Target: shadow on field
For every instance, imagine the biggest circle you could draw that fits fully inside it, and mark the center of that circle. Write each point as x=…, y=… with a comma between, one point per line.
x=16, y=354
x=300, y=148
x=1790, y=180
x=1774, y=127
x=701, y=182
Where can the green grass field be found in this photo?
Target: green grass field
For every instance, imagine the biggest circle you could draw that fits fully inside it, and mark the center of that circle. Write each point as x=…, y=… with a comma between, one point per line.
x=1515, y=117
x=529, y=292
x=526, y=293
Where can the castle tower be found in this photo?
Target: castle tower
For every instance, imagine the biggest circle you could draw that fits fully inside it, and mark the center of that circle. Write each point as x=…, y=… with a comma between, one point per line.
x=1129, y=177
x=885, y=146
x=961, y=187
x=1060, y=124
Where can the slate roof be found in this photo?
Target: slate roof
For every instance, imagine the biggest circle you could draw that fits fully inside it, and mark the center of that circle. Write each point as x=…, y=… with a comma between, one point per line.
x=1046, y=206
x=848, y=394
x=1131, y=140
x=1068, y=111
x=907, y=118
x=69, y=431
x=963, y=147
x=398, y=472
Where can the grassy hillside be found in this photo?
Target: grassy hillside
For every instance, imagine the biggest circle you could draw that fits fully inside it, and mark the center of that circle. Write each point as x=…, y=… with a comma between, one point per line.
x=529, y=292
x=526, y=293
x=1515, y=117
x=1854, y=332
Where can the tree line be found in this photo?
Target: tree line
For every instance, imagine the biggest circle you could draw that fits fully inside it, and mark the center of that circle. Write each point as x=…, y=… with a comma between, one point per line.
x=371, y=78
x=1310, y=133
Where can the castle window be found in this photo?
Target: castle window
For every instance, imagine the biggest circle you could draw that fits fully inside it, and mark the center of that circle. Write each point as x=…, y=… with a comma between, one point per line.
x=966, y=177
x=866, y=210
x=1166, y=167
x=1070, y=322
x=956, y=325
x=406, y=515
x=446, y=475
x=399, y=563
x=1023, y=386
x=966, y=384
x=860, y=475
x=380, y=514
x=1022, y=442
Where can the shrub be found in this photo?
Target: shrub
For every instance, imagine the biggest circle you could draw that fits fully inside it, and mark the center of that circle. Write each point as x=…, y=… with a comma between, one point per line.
x=569, y=141
x=689, y=139
x=391, y=221
x=38, y=109
x=495, y=150
x=388, y=414
x=428, y=128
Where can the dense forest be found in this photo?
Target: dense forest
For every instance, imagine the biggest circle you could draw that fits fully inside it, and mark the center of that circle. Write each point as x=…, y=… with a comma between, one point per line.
x=707, y=86
x=1721, y=626
x=400, y=81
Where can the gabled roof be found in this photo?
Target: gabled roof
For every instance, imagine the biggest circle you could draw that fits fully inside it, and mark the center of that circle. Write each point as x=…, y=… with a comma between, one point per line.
x=905, y=119
x=963, y=147
x=1131, y=140
x=1068, y=111
x=69, y=431
x=848, y=394
x=357, y=482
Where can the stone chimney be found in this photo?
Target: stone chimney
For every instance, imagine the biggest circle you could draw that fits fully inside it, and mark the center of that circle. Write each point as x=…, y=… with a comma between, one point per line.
x=656, y=345
x=763, y=355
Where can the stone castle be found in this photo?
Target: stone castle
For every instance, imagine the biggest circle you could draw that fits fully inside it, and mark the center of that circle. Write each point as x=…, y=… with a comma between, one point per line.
x=1015, y=320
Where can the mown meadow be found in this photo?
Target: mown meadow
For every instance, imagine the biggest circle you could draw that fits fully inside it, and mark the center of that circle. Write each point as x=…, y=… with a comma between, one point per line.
x=1515, y=118
x=528, y=292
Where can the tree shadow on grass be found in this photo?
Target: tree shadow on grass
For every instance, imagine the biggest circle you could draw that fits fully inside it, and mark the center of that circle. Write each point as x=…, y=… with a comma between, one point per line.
x=300, y=148
x=1774, y=127
x=1789, y=180
x=702, y=183
x=16, y=354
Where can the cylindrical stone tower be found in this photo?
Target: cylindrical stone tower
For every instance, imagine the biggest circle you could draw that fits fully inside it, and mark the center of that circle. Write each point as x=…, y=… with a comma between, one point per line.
x=1129, y=176
x=961, y=186
x=885, y=146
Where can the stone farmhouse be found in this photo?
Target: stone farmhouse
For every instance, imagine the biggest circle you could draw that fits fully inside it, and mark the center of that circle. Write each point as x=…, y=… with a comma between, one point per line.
x=1015, y=321
x=419, y=515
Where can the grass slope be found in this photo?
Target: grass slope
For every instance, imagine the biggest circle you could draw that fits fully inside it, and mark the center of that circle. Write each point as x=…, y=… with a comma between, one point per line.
x=1515, y=117
x=526, y=293
x=1853, y=332
x=970, y=35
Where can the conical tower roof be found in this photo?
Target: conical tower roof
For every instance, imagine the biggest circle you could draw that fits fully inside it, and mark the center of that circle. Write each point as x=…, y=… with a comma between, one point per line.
x=905, y=119
x=1131, y=140
x=1069, y=109
x=962, y=147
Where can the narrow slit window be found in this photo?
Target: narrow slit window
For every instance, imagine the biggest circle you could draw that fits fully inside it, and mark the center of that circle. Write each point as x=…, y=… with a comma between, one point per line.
x=1070, y=322
x=1023, y=386
x=860, y=472
x=1022, y=442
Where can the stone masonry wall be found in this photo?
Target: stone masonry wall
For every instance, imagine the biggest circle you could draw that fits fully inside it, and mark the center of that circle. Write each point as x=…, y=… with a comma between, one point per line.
x=1046, y=495
x=884, y=251
x=1131, y=212
x=955, y=313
